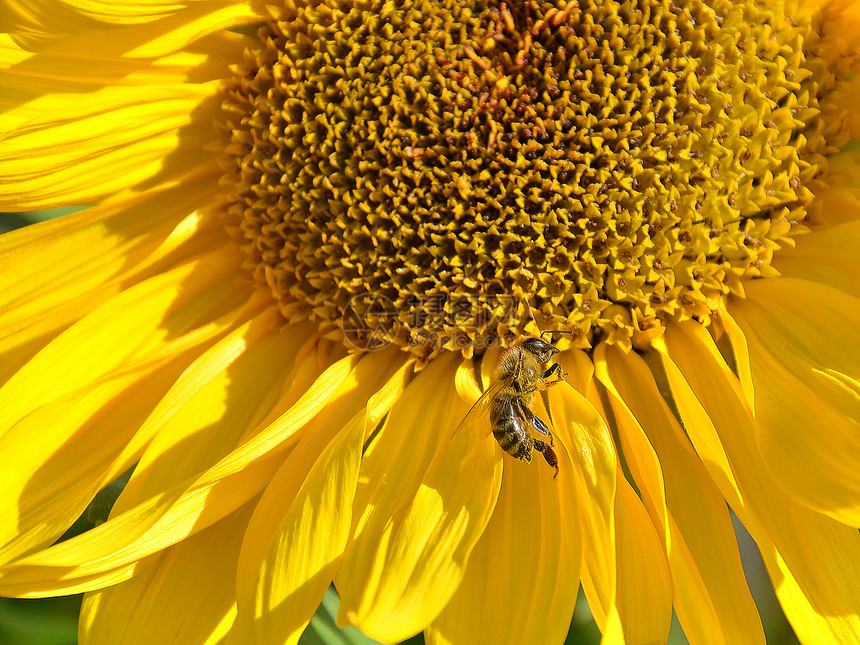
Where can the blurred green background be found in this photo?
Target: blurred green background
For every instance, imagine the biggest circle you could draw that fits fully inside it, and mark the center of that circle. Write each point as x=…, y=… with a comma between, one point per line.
x=53, y=621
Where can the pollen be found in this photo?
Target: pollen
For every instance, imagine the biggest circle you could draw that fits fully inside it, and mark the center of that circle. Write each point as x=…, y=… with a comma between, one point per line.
x=436, y=174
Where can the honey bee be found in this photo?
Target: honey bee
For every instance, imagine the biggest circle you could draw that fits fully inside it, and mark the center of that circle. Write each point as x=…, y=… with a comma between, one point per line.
x=520, y=374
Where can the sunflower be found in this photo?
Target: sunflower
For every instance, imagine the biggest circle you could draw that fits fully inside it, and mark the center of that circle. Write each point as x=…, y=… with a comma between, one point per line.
x=313, y=228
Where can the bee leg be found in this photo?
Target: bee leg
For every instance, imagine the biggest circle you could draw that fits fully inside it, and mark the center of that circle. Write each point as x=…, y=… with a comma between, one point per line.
x=555, y=368
x=540, y=426
x=548, y=454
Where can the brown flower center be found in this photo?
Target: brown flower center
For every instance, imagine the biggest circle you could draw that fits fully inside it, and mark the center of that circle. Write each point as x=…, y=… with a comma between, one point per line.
x=429, y=173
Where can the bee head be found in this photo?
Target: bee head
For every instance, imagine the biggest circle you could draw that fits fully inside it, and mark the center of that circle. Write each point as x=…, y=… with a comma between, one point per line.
x=542, y=350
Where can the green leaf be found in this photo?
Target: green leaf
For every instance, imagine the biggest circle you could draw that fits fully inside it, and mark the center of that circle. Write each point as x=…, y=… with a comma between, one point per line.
x=50, y=621
x=12, y=221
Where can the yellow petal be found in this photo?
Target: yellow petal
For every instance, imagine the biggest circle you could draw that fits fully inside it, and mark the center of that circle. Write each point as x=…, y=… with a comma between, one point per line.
x=522, y=579
x=613, y=633
x=643, y=605
x=119, y=118
x=580, y=375
x=109, y=553
x=805, y=365
x=394, y=464
x=123, y=356
x=594, y=463
x=104, y=146
x=735, y=351
x=808, y=617
x=641, y=458
x=60, y=270
x=70, y=16
x=232, y=387
x=133, y=329
x=821, y=596
x=152, y=334
x=44, y=77
x=840, y=201
x=302, y=523
x=80, y=126
x=711, y=595
x=187, y=596
x=300, y=556
x=828, y=257
x=625, y=620
x=411, y=563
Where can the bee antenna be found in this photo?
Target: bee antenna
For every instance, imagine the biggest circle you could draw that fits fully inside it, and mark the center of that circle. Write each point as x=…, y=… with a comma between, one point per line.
x=532, y=313
x=550, y=332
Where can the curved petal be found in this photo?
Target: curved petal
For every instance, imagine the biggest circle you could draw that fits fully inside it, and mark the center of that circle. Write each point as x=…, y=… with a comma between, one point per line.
x=839, y=201
x=135, y=328
x=110, y=552
x=74, y=15
x=164, y=603
x=805, y=365
x=402, y=571
x=394, y=463
x=828, y=257
x=290, y=556
x=231, y=388
x=300, y=556
x=820, y=592
x=527, y=563
x=44, y=80
x=594, y=463
x=711, y=596
x=644, y=465
x=625, y=575
x=102, y=146
x=580, y=375
x=54, y=17
x=131, y=115
x=54, y=412
x=643, y=604
x=60, y=270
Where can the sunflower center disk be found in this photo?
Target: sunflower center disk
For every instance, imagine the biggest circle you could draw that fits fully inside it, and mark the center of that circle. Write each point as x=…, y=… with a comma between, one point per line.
x=429, y=173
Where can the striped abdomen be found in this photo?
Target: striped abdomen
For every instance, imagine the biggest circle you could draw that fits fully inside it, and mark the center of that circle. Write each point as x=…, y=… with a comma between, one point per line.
x=509, y=429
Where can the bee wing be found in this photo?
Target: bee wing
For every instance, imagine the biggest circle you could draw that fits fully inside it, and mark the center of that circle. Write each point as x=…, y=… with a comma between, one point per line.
x=479, y=415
